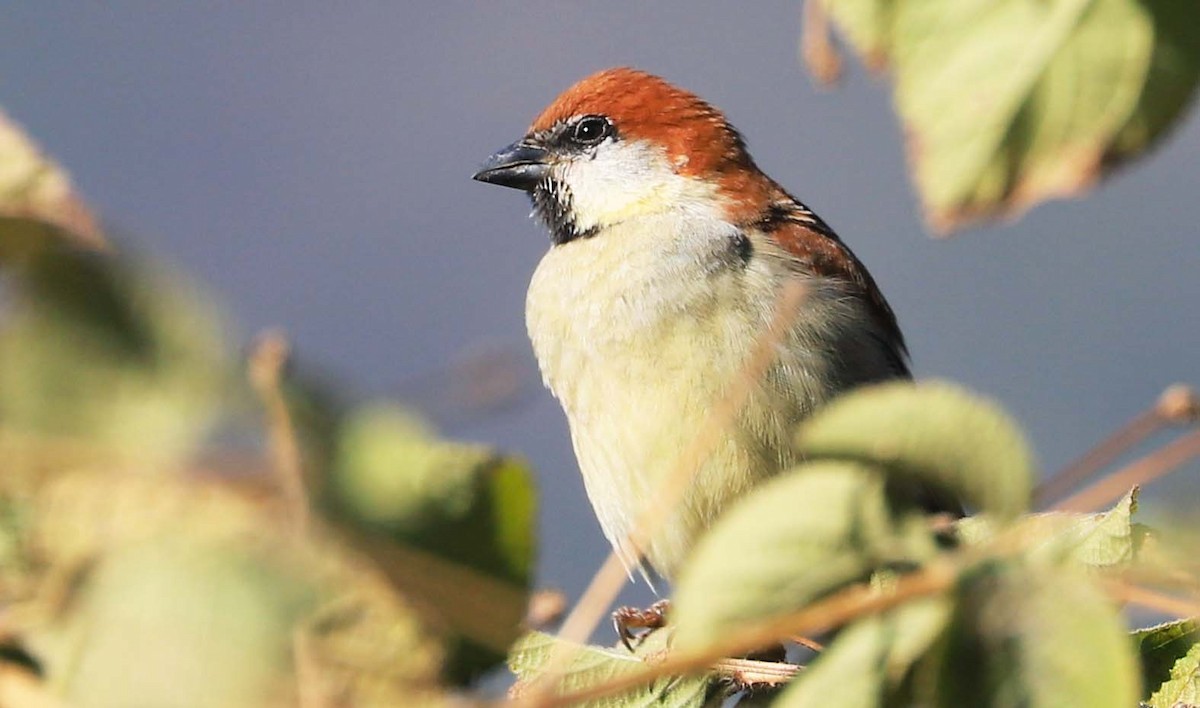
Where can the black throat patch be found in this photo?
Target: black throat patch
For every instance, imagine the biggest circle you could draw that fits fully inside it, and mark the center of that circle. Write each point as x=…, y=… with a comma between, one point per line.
x=552, y=205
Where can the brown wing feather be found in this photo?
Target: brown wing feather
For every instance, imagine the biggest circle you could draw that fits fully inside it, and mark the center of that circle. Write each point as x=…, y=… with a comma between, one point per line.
x=816, y=247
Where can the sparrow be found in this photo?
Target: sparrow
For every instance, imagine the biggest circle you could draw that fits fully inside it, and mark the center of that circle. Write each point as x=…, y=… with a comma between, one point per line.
x=669, y=250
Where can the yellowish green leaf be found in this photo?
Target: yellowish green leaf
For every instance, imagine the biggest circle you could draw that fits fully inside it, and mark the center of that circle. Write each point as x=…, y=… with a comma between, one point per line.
x=869, y=658
x=935, y=435
x=459, y=510
x=787, y=543
x=34, y=190
x=1162, y=646
x=1009, y=103
x=1030, y=636
x=1183, y=688
x=101, y=351
x=591, y=666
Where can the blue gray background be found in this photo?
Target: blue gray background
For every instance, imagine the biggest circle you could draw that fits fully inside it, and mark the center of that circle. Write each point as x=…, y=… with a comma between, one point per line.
x=310, y=163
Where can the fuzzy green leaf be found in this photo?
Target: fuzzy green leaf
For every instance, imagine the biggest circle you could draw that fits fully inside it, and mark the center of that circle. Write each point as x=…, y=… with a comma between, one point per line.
x=36, y=195
x=933, y=435
x=1183, y=687
x=787, y=543
x=165, y=624
x=104, y=350
x=867, y=24
x=1161, y=646
x=869, y=658
x=1010, y=103
x=1105, y=540
x=592, y=666
x=1030, y=636
x=464, y=505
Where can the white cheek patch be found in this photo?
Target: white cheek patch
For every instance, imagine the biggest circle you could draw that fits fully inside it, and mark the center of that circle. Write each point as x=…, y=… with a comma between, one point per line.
x=623, y=180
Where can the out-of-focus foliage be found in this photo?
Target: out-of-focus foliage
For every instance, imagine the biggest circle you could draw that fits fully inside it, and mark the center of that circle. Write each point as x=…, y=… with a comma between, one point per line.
x=462, y=513
x=1007, y=103
x=36, y=196
x=870, y=660
x=903, y=428
x=148, y=552
x=1001, y=609
x=1029, y=635
x=105, y=351
x=831, y=518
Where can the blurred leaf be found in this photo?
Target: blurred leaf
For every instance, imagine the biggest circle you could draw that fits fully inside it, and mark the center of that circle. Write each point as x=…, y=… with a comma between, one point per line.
x=34, y=190
x=868, y=658
x=1171, y=78
x=462, y=502
x=166, y=624
x=1010, y=103
x=462, y=505
x=104, y=351
x=367, y=645
x=1161, y=646
x=787, y=543
x=867, y=24
x=104, y=544
x=592, y=666
x=1026, y=636
x=932, y=434
x=1183, y=688
x=1103, y=540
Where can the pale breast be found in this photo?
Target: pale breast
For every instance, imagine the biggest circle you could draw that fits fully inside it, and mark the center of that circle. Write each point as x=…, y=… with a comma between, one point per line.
x=639, y=332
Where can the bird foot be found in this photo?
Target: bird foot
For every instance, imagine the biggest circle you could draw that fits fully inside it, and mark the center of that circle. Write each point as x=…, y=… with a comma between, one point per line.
x=626, y=619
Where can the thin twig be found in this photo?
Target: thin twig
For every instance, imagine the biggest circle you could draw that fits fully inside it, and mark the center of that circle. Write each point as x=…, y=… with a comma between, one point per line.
x=1176, y=405
x=1152, y=599
x=267, y=360
x=750, y=673
x=1102, y=455
x=822, y=59
x=1157, y=464
x=608, y=580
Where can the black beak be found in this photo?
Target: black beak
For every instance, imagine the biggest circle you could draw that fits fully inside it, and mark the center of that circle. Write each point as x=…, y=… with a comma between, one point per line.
x=520, y=166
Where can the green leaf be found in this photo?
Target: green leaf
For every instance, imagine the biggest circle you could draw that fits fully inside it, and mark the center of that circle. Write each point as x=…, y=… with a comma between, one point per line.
x=1009, y=103
x=468, y=512
x=35, y=192
x=462, y=502
x=935, y=435
x=1105, y=540
x=867, y=24
x=1030, y=636
x=592, y=666
x=169, y=624
x=1183, y=688
x=191, y=573
x=787, y=543
x=869, y=658
x=1161, y=646
x=105, y=351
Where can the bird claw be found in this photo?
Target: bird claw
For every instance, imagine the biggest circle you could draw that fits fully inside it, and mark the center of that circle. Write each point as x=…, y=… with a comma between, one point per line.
x=625, y=619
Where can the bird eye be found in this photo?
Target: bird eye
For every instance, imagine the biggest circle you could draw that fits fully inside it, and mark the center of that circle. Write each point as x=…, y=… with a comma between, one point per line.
x=591, y=130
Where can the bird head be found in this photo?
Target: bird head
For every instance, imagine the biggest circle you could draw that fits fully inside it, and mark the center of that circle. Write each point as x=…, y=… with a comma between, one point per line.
x=623, y=144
